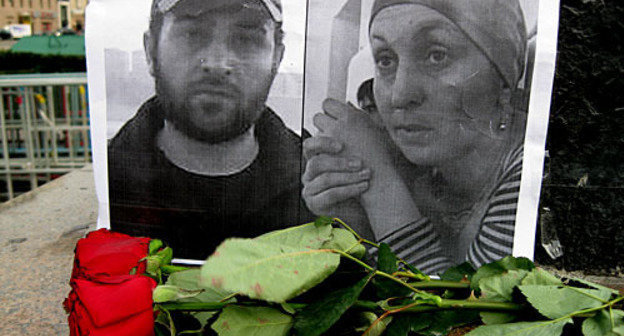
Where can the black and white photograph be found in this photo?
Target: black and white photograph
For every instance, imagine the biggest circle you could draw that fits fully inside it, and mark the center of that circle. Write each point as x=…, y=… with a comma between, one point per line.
x=407, y=119
x=418, y=110
x=204, y=122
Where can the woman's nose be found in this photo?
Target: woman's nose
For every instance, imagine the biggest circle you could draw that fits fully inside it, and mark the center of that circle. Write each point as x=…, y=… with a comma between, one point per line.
x=408, y=89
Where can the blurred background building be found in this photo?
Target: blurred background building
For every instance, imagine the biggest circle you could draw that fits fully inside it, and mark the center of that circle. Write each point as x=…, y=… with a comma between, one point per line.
x=43, y=16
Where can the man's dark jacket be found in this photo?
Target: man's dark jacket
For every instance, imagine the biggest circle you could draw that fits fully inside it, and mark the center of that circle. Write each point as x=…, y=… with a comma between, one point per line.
x=149, y=196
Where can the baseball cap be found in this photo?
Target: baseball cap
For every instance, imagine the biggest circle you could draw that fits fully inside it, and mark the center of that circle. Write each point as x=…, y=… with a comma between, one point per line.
x=273, y=6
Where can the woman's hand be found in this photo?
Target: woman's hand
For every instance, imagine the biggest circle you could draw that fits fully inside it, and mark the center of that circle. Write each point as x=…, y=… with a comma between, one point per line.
x=332, y=184
x=329, y=178
x=387, y=199
x=360, y=136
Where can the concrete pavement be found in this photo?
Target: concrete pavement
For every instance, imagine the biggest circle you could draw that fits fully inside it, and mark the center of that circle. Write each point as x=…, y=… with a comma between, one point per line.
x=38, y=233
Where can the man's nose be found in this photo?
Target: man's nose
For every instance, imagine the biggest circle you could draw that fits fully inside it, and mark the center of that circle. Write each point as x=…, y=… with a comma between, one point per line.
x=217, y=60
x=408, y=88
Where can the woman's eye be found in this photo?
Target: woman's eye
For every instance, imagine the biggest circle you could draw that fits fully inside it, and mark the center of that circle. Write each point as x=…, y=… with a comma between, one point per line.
x=385, y=62
x=437, y=56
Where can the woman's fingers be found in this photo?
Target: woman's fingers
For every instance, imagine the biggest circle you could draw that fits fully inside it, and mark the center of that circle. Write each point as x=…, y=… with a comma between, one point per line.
x=320, y=145
x=322, y=202
x=332, y=180
x=324, y=163
x=335, y=108
x=324, y=122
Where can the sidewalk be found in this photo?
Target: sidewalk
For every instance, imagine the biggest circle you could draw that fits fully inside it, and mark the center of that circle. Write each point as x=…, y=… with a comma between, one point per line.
x=38, y=232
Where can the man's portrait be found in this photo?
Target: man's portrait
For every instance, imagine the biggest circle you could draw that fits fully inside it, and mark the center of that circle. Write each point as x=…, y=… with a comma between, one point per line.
x=204, y=157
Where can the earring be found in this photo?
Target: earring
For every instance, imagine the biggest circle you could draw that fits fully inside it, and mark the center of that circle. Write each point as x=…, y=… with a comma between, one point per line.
x=506, y=109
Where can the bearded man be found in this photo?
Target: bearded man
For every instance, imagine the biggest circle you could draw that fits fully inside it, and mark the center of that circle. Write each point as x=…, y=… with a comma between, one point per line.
x=205, y=159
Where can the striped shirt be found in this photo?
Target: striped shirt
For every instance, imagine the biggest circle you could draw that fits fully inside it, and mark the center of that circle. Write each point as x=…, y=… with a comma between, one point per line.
x=418, y=243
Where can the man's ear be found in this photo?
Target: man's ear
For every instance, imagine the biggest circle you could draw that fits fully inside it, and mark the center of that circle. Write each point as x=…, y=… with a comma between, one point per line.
x=278, y=56
x=149, y=48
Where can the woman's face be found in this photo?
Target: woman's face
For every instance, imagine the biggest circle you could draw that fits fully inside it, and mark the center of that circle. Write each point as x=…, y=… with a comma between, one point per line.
x=436, y=91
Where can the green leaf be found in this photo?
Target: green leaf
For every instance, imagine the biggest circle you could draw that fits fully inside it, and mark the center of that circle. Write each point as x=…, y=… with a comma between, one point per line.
x=154, y=246
x=500, y=288
x=203, y=317
x=539, y=276
x=379, y=327
x=162, y=257
x=252, y=321
x=387, y=261
x=319, y=316
x=557, y=301
x=164, y=319
x=168, y=293
x=405, y=323
x=603, y=325
x=541, y=328
x=497, y=318
x=324, y=221
x=458, y=273
x=270, y=272
x=427, y=298
x=189, y=280
x=416, y=272
x=345, y=241
x=307, y=236
x=596, y=286
x=288, y=308
x=166, y=255
x=499, y=267
x=443, y=321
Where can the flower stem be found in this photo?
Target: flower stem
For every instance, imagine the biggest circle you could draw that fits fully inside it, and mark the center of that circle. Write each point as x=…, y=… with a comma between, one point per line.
x=198, y=306
x=377, y=272
x=173, y=269
x=207, y=306
x=447, y=304
x=440, y=284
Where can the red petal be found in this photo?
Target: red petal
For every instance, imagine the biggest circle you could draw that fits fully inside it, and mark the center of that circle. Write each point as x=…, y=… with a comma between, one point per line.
x=116, y=298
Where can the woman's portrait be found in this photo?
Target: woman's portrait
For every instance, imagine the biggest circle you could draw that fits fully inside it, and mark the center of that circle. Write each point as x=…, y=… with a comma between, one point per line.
x=419, y=143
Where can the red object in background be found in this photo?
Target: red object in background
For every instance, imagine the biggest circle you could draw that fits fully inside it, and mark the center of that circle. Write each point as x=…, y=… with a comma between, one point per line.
x=105, y=298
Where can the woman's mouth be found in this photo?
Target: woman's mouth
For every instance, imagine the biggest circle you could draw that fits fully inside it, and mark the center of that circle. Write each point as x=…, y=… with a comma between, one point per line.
x=413, y=133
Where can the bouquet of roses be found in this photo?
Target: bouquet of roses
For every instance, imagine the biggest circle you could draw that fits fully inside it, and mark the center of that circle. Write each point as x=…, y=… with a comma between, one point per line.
x=314, y=279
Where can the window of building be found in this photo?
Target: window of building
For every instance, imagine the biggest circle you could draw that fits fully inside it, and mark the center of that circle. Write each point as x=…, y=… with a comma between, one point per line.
x=41, y=4
x=29, y=3
x=49, y=4
x=2, y=3
x=21, y=3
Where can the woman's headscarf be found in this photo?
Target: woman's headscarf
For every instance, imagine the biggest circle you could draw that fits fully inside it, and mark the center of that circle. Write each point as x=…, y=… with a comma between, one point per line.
x=497, y=27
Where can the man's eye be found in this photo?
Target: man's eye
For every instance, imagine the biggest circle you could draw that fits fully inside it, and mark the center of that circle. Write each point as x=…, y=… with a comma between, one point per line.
x=437, y=56
x=246, y=37
x=195, y=33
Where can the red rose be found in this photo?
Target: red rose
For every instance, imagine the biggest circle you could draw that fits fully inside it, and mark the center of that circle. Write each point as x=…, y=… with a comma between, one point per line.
x=111, y=305
x=104, y=252
x=109, y=295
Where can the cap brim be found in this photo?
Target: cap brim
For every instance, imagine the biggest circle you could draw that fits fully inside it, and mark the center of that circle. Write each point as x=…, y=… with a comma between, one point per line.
x=276, y=13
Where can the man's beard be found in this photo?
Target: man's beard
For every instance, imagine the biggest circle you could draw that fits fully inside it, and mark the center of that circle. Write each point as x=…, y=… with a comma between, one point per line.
x=178, y=114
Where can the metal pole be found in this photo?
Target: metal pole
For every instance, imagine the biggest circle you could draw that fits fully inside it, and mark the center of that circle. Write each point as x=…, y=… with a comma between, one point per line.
x=26, y=121
x=52, y=112
x=5, y=148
